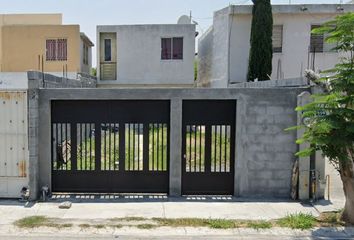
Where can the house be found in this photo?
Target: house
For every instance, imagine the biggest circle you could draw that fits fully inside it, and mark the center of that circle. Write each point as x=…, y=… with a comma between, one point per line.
x=41, y=42
x=146, y=55
x=224, y=49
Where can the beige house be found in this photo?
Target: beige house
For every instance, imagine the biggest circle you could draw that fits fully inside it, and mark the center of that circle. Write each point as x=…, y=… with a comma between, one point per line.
x=41, y=42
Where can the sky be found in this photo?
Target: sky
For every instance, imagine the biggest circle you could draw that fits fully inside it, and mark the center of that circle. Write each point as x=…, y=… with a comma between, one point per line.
x=89, y=13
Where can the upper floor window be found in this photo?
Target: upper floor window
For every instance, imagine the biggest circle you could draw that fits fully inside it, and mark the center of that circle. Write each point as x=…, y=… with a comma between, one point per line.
x=108, y=50
x=277, y=38
x=172, y=48
x=318, y=43
x=85, y=54
x=56, y=49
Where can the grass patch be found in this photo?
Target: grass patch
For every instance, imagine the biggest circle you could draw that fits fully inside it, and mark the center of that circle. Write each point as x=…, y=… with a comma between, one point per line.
x=260, y=225
x=65, y=225
x=131, y=219
x=84, y=225
x=116, y=226
x=298, y=221
x=31, y=222
x=221, y=223
x=146, y=226
x=39, y=221
x=181, y=222
x=294, y=221
x=99, y=226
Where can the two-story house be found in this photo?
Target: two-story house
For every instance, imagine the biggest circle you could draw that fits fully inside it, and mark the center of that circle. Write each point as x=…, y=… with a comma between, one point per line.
x=224, y=49
x=41, y=42
x=157, y=55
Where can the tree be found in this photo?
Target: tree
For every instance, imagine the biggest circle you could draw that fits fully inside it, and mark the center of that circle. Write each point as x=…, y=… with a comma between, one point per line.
x=330, y=116
x=94, y=72
x=261, y=52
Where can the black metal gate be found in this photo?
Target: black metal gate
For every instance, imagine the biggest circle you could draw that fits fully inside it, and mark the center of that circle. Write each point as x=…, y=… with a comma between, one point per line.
x=208, y=146
x=110, y=146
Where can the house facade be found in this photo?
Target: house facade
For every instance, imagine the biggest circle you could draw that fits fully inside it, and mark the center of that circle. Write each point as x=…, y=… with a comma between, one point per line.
x=224, y=49
x=146, y=55
x=49, y=45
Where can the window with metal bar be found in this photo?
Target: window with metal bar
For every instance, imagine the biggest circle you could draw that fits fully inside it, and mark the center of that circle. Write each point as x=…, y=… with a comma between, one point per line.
x=110, y=146
x=85, y=155
x=195, y=148
x=316, y=41
x=61, y=146
x=220, y=148
x=158, y=147
x=57, y=49
x=277, y=38
x=133, y=147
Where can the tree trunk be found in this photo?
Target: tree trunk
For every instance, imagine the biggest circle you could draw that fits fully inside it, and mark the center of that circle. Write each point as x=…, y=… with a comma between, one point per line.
x=346, y=169
x=348, y=186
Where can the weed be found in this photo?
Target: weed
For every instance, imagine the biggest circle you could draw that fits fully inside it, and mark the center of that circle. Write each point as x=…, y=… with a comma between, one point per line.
x=259, y=225
x=146, y=226
x=298, y=221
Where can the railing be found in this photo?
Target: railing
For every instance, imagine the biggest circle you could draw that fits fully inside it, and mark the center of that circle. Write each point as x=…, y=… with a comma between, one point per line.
x=108, y=71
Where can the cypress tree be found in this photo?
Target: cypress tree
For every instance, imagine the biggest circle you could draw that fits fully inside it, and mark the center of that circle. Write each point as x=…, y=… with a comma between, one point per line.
x=261, y=52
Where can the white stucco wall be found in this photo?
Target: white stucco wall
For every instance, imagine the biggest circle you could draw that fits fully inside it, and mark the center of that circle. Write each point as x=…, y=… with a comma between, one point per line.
x=296, y=41
x=294, y=58
x=13, y=81
x=139, y=55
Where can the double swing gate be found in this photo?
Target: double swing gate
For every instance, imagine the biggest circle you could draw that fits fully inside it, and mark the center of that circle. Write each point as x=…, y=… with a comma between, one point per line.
x=110, y=146
x=123, y=146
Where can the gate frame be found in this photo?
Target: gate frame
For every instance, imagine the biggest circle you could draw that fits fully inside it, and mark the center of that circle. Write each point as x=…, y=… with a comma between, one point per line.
x=207, y=167
x=176, y=96
x=152, y=181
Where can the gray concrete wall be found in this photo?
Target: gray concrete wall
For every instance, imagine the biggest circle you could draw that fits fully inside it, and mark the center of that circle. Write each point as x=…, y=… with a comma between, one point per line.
x=264, y=151
x=293, y=82
x=36, y=81
x=205, y=54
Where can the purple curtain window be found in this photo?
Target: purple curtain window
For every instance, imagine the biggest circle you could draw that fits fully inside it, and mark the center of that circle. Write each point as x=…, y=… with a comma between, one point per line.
x=178, y=48
x=166, y=48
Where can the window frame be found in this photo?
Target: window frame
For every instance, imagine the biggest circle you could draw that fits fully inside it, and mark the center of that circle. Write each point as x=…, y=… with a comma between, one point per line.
x=172, y=49
x=104, y=49
x=56, y=57
x=326, y=47
x=85, y=53
x=278, y=49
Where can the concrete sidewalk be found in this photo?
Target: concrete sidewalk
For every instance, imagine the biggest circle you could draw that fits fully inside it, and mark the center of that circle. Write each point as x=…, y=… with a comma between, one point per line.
x=111, y=206
x=95, y=209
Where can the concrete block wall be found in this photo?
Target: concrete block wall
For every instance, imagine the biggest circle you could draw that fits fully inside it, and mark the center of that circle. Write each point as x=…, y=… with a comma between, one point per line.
x=264, y=151
x=292, y=82
x=269, y=149
x=37, y=80
x=46, y=80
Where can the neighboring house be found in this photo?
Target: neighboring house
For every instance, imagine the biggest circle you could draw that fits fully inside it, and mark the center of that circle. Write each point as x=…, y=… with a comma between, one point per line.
x=146, y=55
x=40, y=42
x=224, y=48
